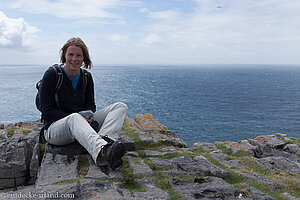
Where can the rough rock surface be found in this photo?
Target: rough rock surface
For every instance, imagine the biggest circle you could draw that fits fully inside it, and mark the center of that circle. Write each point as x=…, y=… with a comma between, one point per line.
x=205, y=188
x=231, y=163
x=150, y=130
x=158, y=165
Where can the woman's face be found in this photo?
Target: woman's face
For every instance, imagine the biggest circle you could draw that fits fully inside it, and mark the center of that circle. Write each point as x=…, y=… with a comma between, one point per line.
x=74, y=58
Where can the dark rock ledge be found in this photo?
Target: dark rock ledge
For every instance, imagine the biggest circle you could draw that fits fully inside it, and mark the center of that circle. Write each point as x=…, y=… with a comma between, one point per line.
x=158, y=165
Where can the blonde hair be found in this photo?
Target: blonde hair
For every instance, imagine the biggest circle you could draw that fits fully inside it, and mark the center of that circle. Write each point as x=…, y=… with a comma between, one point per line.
x=79, y=43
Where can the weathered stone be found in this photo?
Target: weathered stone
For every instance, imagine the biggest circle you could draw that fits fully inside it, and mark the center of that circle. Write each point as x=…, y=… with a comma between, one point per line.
x=161, y=163
x=128, y=141
x=132, y=153
x=167, y=137
x=173, y=149
x=205, y=146
x=288, y=196
x=35, y=163
x=12, y=182
x=95, y=171
x=283, y=136
x=139, y=168
x=220, y=156
x=205, y=188
x=56, y=168
x=152, y=191
x=188, y=165
x=280, y=164
x=92, y=189
x=146, y=122
x=242, y=145
x=271, y=140
x=87, y=189
x=257, y=194
x=150, y=131
x=3, y=134
x=15, y=157
x=150, y=153
x=273, y=185
x=291, y=148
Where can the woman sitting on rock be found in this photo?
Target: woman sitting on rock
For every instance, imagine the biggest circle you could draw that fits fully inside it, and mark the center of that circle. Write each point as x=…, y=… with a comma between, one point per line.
x=62, y=122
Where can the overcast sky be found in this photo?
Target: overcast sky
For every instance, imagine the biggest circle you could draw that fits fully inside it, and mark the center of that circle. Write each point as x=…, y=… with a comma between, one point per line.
x=152, y=31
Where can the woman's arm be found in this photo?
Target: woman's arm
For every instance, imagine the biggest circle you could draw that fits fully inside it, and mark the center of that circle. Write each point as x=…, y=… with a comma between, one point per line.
x=50, y=111
x=90, y=95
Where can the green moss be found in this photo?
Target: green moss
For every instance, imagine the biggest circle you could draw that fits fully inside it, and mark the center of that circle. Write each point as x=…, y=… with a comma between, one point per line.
x=198, y=150
x=224, y=149
x=11, y=131
x=163, y=183
x=162, y=180
x=276, y=194
x=26, y=132
x=292, y=141
x=136, y=160
x=2, y=138
x=253, y=167
x=83, y=165
x=141, y=153
x=131, y=132
x=241, y=153
x=67, y=182
x=170, y=155
x=128, y=178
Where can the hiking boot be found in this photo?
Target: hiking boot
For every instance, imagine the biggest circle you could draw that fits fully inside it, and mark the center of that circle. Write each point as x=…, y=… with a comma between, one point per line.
x=113, y=152
x=104, y=169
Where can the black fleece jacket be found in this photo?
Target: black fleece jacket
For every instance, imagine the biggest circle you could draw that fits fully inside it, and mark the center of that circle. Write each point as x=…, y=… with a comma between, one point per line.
x=70, y=100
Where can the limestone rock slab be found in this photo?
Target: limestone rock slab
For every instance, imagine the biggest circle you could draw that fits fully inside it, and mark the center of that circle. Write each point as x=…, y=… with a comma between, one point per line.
x=56, y=168
x=205, y=188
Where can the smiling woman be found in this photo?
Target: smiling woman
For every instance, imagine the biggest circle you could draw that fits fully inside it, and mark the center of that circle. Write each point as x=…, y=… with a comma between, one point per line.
x=62, y=109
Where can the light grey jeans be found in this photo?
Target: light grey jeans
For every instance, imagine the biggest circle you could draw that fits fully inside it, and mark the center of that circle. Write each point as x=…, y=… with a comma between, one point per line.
x=75, y=127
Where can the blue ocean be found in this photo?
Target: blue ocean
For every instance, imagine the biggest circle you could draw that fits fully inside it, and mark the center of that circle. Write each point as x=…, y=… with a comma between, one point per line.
x=199, y=103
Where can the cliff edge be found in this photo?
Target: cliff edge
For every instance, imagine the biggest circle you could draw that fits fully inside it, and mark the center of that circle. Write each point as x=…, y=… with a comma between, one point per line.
x=158, y=165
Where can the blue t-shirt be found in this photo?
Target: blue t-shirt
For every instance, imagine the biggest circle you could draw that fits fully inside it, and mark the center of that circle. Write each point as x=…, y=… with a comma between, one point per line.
x=73, y=80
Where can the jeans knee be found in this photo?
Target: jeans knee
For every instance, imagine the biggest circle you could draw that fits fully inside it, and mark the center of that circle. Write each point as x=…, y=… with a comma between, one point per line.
x=121, y=105
x=74, y=116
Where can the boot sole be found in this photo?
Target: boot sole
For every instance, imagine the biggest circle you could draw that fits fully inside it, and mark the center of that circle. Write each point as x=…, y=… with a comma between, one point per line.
x=117, y=153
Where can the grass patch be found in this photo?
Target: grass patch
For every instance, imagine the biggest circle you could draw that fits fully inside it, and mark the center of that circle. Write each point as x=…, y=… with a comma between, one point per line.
x=198, y=150
x=2, y=138
x=141, y=153
x=163, y=183
x=68, y=181
x=131, y=132
x=128, y=178
x=241, y=153
x=26, y=132
x=170, y=155
x=276, y=194
x=137, y=160
x=252, y=166
x=292, y=187
x=292, y=141
x=224, y=149
x=83, y=165
x=10, y=131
